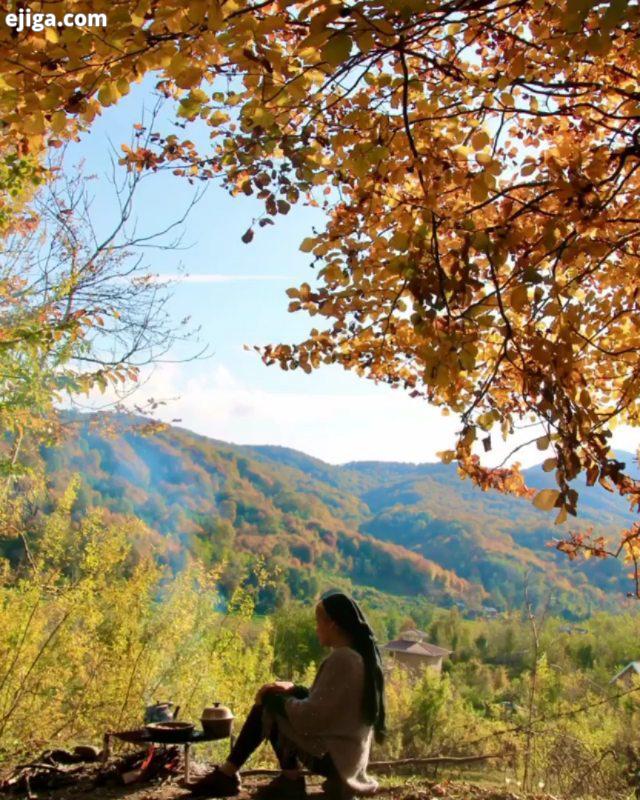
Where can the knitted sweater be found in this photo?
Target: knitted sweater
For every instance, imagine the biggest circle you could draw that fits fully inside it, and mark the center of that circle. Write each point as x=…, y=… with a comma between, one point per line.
x=330, y=719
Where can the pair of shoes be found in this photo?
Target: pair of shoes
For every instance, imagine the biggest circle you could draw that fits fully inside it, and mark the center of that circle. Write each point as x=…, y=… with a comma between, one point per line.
x=282, y=788
x=216, y=784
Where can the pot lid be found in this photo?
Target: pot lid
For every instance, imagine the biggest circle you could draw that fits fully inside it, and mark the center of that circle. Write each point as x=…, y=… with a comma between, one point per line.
x=217, y=711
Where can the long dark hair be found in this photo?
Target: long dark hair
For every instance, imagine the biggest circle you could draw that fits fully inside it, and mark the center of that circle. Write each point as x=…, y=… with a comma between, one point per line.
x=346, y=613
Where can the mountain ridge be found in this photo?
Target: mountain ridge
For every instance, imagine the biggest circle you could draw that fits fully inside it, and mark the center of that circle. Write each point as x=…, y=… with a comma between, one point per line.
x=397, y=527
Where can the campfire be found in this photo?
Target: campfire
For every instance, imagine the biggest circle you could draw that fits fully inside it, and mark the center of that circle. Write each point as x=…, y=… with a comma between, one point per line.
x=85, y=769
x=163, y=750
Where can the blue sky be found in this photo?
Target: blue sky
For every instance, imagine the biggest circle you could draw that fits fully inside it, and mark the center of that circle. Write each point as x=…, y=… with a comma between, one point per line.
x=236, y=292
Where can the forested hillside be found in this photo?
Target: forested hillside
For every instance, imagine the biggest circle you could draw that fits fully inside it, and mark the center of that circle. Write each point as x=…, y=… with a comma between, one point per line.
x=401, y=529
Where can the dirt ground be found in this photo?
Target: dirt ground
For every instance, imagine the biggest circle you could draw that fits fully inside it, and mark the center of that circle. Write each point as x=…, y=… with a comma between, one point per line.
x=417, y=790
x=392, y=788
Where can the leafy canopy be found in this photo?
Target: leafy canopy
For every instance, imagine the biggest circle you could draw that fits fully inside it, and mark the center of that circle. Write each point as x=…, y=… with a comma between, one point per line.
x=479, y=165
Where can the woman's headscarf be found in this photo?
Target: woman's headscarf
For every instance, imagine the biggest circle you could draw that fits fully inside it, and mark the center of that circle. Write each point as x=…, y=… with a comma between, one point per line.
x=346, y=613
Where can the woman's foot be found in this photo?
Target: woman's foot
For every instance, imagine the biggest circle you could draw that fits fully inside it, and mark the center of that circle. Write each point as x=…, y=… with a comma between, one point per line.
x=283, y=788
x=335, y=789
x=216, y=784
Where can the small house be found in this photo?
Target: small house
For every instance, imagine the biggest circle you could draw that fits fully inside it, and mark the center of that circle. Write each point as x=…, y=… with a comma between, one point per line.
x=412, y=650
x=627, y=675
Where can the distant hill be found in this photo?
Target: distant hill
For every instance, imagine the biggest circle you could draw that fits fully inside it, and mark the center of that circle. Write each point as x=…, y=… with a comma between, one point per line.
x=401, y=529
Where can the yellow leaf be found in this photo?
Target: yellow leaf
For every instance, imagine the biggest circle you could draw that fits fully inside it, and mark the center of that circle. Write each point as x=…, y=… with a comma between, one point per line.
x=399, y=241
x=485, y=421
x=108, y=94
x=123, y=86
x=519, y=297
x=614, y=13
x=178, y=63
x=365, y=42
x=215, y=17
x=481, y=241
x=337, y=49
x=307, y=244
x=480, y=140
x=198, y=96
x=599, y=44
x=34, y=123
x=518, y=65
x=546, y=499
x=189, y=77
x=314, y=40
x=561, y=517
x=218, y=117
x=262, y=117
x=549, y=463
x=51, y=99
x=58, y=121
x=479, y=191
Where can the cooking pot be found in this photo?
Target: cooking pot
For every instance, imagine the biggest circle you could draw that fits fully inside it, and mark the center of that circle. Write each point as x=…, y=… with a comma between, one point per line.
x=170, y=731
x=217, y=721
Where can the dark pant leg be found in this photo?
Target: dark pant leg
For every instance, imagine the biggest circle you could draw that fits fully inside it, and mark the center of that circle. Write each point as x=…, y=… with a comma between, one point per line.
x=323, y=765
x=286, y=755
x=251, y=737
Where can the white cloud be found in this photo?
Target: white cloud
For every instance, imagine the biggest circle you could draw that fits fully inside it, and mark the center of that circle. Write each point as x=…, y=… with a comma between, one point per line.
x=333, y=427
x=381, y=425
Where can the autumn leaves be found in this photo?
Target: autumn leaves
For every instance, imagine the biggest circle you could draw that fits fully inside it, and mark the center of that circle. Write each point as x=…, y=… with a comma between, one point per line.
x=479, y=167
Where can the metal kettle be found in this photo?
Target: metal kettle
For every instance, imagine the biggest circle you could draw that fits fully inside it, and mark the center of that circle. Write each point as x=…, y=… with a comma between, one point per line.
x=161, y=712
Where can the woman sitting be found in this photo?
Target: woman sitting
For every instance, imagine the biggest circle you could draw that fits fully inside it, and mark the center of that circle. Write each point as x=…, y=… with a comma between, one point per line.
x=328, y=728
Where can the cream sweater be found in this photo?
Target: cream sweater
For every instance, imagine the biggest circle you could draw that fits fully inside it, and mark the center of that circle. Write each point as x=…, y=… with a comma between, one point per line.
x=330, y=720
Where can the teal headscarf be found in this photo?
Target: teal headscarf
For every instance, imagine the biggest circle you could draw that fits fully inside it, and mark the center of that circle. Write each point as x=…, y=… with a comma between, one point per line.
x=346, y=613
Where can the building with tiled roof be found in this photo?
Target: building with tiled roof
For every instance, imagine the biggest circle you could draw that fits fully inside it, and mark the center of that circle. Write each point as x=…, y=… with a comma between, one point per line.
x=628, y=675
x=414, y=652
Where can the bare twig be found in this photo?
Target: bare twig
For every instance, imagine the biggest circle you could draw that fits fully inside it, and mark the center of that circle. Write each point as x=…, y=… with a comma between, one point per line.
x=401, y=762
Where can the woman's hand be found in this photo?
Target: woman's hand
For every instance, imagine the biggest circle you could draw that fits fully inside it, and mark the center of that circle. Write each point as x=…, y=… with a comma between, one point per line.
x=277, y=687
